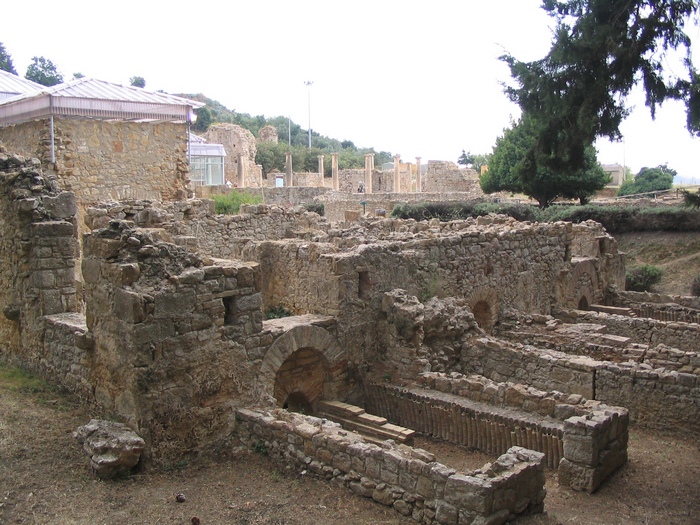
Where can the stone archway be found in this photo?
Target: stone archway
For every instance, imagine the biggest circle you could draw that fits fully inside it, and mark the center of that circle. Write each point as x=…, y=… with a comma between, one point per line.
x=585, y=284
x=483, y=303
x=302, y=366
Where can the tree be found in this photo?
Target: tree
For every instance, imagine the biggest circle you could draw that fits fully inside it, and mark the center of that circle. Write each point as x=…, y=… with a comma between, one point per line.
x=272, y=156
x=77, y=76
x=601, y=49
x=473, y=161
x=509, y=170
x=204, y=119
x=649, y=180
x=6, y=61
x=43, y=71
x=139, y=82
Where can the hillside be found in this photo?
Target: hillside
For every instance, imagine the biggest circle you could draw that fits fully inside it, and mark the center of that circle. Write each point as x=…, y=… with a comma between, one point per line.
x=677, y=253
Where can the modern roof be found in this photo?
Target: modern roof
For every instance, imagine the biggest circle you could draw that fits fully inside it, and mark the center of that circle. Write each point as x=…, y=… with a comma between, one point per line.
x=97, y=99
x=12, y=85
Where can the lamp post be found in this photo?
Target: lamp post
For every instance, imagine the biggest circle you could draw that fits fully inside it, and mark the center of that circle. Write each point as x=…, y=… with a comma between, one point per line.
x=308, y=84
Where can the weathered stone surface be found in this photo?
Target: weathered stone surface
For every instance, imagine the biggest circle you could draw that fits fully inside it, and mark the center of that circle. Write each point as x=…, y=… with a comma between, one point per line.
x=114, y=449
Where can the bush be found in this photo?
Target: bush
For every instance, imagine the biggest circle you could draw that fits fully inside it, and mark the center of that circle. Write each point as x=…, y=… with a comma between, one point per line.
x=642, y=278
x=315, y=207
x=695, y=286
x=277, y=312
x=229, y=203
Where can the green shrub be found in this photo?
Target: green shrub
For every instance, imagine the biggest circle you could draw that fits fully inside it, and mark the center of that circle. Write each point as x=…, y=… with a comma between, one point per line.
x=229, y=203
x=695, y=286
x=642, y=278
x=277, y=312
x=315, y=207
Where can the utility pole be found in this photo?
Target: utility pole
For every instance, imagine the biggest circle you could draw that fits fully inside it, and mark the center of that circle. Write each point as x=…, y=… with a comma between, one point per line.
x=308, y=84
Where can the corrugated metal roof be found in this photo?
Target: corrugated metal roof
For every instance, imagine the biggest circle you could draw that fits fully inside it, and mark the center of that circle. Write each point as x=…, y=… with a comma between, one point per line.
x=11, y=85
x=92, y=98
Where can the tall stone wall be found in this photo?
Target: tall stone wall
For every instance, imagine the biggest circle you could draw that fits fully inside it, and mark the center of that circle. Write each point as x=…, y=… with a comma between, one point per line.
x=38, y=250
x=177, y=343
x=103, y=160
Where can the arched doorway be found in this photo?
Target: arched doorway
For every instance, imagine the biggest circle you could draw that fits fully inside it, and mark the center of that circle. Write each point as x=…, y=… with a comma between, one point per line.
x=483, y=315
x=583, y=303
x=302, y=366
x=299, y=381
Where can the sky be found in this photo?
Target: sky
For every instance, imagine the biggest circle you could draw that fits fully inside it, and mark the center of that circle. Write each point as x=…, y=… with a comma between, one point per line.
x=417, y=79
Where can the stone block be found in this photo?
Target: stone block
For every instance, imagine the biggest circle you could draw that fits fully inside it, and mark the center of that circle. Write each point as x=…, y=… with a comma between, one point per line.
x=469, y=492
x=582, y=450
x=168, y=305
x=446, y=514
x=62, y=206
x=128, y=306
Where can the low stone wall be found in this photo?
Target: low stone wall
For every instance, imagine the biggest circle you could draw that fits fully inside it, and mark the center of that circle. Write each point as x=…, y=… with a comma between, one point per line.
x=654, y=397
x=588, y=438
x=337, y=203
x=65, y=359
x=544, y=369
x=409, y=480
x=683, y=336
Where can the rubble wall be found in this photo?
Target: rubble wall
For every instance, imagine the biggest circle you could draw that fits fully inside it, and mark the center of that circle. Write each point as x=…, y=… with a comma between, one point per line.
x=409, y=480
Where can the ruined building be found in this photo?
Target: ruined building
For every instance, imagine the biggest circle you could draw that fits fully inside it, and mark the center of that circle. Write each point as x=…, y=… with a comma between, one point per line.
x=512, y=338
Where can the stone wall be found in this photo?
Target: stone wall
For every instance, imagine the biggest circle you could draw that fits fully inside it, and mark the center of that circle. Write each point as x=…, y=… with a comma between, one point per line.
x=409, y=480
x=657, y=398
x=241, y=147
x=544, y=369
x=336, y=203
x=102, y=160
x=443, y=176
x=38, y=250
x=683, y=336
x=177, y=340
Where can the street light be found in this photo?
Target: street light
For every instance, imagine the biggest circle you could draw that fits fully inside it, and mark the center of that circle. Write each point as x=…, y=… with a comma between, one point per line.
x=308, y=84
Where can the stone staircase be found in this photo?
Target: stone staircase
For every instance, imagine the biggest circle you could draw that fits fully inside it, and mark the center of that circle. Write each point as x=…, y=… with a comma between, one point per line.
x=373, y=428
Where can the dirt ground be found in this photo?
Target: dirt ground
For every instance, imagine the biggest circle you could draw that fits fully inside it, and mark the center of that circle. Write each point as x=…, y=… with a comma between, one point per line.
x=44, y=480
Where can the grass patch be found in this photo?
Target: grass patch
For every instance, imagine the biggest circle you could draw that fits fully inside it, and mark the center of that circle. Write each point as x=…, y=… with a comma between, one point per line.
x=229, y=203
x=12, y=378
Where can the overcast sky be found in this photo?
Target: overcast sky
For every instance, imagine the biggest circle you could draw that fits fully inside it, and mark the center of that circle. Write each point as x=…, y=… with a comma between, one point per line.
x=412, y=78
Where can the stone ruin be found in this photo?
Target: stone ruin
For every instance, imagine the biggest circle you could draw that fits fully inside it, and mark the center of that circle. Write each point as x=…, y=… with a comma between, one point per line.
x=507, y=337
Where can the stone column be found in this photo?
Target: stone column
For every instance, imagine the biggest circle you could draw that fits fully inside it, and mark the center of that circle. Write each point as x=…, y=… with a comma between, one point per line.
x=397, y=176
x=419, y=187
x=288, y=170
x=321, y=170
x=261, y=182
x=240, y=175
x=369, y=167
x=334, y=171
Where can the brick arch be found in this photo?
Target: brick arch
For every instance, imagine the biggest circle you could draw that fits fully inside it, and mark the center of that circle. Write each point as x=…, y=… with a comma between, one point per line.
x=484, y=304
x=585, y=285
x=319, y=351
